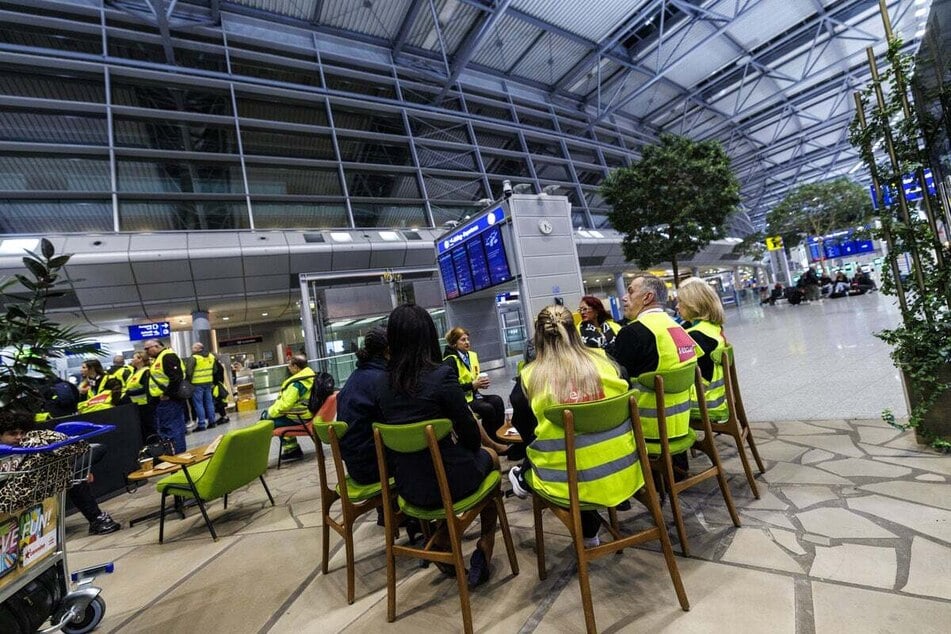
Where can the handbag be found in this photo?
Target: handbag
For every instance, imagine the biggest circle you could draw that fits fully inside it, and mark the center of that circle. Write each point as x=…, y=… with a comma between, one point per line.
x=156, y=446
x=185, y=390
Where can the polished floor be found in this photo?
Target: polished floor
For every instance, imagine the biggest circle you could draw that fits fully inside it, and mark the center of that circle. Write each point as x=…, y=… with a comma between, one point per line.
x=852, y=532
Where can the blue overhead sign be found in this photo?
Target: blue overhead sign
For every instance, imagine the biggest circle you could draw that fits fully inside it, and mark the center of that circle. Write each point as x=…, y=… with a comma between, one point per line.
x=138, y=332
x=475, y=227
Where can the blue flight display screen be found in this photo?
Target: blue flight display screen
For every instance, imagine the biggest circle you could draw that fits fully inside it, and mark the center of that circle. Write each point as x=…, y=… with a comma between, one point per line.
x=448, y=276
x=495, y=253
x=480, y=268
x=138, y=332
x=463, y=275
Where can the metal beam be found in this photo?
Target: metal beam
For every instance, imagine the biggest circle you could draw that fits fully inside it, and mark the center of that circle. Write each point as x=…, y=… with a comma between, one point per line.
x=406, y=27
x=470, y=44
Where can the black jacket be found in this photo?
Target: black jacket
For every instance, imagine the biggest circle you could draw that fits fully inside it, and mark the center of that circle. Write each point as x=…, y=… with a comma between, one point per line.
x=357, y=406
x=438, y=395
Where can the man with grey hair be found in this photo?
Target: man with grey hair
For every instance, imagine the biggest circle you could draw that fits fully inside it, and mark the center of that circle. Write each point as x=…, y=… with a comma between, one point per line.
x=199, y=369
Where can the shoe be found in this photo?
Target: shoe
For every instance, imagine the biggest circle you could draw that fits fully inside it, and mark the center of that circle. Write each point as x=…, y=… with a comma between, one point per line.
x=478, y=569
x=224, y=420
x=103, y=525
x=293, y=455
x=518, y=483
x=211, y=424
x=189, y=426
x=201, y=427
x=624, y=506
x=592, y=542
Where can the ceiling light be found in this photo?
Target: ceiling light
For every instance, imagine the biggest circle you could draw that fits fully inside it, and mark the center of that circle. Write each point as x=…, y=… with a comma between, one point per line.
x=337, y=236
x=389, y=236
x=225, y=318
x=263, y=314
x=16, y=246
x=181, y=321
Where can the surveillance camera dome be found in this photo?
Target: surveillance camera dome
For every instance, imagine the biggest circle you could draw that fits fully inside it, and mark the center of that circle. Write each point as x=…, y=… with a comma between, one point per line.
x=507, y=188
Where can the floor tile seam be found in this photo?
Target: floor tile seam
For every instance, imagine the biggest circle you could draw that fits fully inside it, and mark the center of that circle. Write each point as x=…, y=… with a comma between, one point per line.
x=557, y=586
x=177, y=582
x=901, y=530
x=897, y=593
x=902, y=499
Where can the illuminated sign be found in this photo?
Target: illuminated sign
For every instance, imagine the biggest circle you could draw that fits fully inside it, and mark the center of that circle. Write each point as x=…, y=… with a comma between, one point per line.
x=774, y=243
x=138, y=332
x=475, y=227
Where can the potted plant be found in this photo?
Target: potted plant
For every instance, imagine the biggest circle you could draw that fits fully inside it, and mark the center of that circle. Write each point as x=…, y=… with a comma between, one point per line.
x=887, y=122
x=28, y=338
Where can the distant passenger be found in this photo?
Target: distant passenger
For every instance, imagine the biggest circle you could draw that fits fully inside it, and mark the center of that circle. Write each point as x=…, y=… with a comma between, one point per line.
x=97, y=391
x=166, y=373
x=119, y=369
x=597, y=328
x=291, y=406
x=137, y=391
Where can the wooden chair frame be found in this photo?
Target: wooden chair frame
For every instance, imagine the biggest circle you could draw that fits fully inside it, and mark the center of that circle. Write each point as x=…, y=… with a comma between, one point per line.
x=663, y=463
x=571, y=518
x=736, y=425
x=454, y=525
x=350, y=511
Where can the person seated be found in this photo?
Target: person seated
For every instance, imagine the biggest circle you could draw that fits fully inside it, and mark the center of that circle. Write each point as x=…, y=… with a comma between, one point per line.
x=488, y=407
x=291, y=406
x=566, y=371
x=777, y=292
x=418, y=386
x=703, y=316
x=16, y=426
x=840, y=287
x=357, y=407
x=862, y=283
x=597, y=328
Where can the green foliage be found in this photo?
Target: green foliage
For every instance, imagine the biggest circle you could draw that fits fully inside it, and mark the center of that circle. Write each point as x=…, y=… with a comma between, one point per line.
x=921, y=345
x=753, y=246
x=673, y=202
x=28, y=338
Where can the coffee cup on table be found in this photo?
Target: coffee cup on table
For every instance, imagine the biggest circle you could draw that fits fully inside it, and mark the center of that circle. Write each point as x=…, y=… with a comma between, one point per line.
x=146, y=463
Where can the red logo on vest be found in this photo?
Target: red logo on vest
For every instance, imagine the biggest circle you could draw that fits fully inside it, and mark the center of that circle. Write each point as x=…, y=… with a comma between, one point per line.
x=685, y=344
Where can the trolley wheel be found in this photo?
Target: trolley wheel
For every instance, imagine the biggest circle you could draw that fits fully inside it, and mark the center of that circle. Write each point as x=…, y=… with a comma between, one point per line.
x=90, y=618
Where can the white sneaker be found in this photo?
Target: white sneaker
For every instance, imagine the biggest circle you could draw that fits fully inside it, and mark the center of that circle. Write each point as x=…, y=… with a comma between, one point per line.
x=518, y=484
x=591, y=542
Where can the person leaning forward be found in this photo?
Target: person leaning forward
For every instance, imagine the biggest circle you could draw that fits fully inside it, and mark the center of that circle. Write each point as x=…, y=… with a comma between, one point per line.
x=290, y=408
x=653, y=342
x=166, y=373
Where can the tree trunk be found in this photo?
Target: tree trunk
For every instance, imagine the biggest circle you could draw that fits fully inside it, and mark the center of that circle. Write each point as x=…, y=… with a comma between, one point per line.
x=673, y=265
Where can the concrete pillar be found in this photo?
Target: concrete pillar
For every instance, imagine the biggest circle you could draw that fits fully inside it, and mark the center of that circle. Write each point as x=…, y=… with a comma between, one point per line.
x=201, y=330
x=620, y=286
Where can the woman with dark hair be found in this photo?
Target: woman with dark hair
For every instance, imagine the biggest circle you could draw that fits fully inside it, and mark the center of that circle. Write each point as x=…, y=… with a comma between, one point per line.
x=97, y=390
x=357, y=407
x=597, y=328
x=420, y=387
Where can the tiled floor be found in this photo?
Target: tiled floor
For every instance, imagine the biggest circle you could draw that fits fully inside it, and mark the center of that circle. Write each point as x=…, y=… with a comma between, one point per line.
x=852, y=532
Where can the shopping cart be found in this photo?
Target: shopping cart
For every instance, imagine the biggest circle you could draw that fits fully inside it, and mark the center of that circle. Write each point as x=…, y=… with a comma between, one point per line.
x=33, y=572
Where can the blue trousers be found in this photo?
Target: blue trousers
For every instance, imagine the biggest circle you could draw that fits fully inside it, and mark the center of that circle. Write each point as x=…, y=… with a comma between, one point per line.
x=204, y=404
x=170, y=422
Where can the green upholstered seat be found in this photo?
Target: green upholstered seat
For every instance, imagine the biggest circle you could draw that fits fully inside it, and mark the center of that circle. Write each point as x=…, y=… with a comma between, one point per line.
x=358, y=492
x=488, y=485
x=677, y=445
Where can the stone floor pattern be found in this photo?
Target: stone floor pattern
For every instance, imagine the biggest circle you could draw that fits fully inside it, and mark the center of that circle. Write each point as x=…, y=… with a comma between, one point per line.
x=852, y=534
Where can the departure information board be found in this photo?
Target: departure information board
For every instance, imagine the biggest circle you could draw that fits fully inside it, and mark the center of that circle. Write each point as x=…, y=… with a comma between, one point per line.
x=474, y=258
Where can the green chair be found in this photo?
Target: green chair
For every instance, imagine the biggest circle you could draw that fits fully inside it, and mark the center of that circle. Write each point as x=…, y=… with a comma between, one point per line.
x=579, y=420
x=661, y=451
x=355, y=499
x=735, y=425
x=241, y=457
x=454, y=516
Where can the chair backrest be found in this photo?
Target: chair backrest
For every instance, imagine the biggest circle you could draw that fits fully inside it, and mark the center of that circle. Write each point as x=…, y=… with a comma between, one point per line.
x=411, y=437
x=328, y=411
x=241, y=457
x=592, y=416
x=322, y=429
x=330, y=433
x=675, y=381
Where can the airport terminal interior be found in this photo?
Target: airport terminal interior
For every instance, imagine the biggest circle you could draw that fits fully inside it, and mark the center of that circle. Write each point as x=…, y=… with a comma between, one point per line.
x=270, y=178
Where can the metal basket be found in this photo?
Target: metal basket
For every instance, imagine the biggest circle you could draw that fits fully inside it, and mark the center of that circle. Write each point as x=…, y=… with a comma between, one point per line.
x=37, y=477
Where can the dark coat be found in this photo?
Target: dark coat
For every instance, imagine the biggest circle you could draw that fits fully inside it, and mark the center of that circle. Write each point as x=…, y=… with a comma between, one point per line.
x=357, y=406
x=438, y=395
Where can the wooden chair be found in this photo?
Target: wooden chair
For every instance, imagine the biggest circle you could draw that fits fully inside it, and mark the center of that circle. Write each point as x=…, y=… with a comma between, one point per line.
x=589, y=418
x=327, y=412
x=355, y=499
x=241, y=458
x=454, y=517
x=736, y=424
x=662, y=451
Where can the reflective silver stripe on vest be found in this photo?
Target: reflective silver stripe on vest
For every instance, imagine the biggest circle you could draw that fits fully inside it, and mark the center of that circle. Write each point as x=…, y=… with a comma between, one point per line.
x=716, y=402
x=583, y=440
x=715, y=384
x=590, y=474
x=669, y=411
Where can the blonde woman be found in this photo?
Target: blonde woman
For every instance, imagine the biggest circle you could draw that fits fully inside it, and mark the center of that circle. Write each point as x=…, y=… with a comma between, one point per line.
x=702, y=312
x=565, y=371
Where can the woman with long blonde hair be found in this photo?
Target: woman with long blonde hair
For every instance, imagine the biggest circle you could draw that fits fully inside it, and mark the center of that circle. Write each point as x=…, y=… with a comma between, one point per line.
x=565, y=371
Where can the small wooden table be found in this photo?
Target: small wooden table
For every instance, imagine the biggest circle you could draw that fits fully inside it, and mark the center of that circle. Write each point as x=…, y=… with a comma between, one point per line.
x=177, y=462
x=508, y=433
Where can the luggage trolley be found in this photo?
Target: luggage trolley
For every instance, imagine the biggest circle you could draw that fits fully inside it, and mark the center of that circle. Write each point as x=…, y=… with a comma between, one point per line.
x=33, y=570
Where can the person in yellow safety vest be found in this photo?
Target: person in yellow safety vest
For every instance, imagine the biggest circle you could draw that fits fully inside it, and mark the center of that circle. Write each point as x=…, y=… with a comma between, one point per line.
x=119, y=369
x=199, y=369
x=166, y=373
x=654, y=342
x=597, y=328
x=702, y=311
x=137, y=391
x=490, y=408
x=566, y=371
x=220, y=393
x=97, y=391
x=290, y=408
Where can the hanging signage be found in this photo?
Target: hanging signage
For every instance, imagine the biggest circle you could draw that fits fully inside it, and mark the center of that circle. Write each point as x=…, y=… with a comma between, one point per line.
x=138, y=332
x=241, y=341
x=774, y=243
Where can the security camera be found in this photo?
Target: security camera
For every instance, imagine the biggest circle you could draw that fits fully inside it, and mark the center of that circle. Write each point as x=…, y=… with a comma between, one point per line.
x=507, y=188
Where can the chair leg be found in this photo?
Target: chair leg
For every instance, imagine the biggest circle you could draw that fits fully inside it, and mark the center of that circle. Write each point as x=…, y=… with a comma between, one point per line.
x=506, y=532
x=324, y=544
x=204, y=514
x=752, y=444
x=585, y=583
x=266, y=490
x=746, y=466
x=710, y=449
x=670, y=482
x=161, y=526
x=539, y=538
x=226, y=500
x=461, y=578
x=390, y=574
x=668, y=551
x=348, y=546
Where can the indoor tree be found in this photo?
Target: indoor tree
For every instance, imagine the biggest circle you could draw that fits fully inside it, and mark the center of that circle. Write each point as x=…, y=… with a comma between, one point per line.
x=673, y=201
x=818, y=209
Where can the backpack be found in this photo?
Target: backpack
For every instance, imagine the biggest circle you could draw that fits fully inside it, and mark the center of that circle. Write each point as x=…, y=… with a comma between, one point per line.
x=321, y=389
